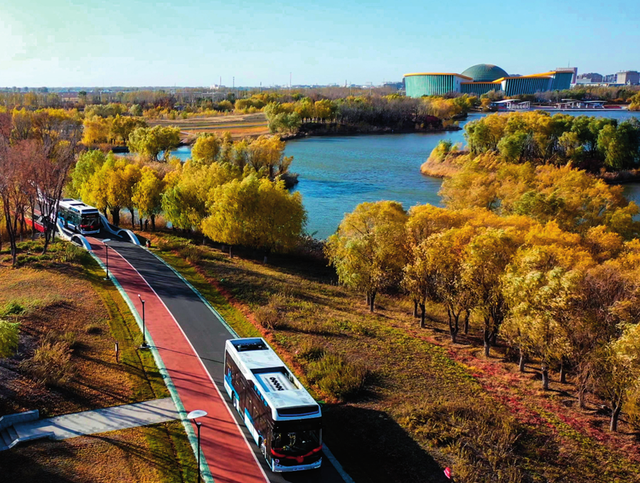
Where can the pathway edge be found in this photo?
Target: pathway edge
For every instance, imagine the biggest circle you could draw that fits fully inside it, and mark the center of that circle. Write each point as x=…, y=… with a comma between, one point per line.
x=193, y=440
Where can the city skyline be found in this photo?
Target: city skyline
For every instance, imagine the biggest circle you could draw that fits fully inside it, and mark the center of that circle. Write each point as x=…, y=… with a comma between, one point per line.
x=62, y=43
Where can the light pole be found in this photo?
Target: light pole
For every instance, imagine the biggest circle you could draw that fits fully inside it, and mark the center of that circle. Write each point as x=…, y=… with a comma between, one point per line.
x=193, y=415
x=144, y=339
x=106, y=248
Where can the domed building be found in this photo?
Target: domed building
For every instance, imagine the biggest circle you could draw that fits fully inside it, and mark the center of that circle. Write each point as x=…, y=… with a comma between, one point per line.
x=482, y=78
x=484, y=73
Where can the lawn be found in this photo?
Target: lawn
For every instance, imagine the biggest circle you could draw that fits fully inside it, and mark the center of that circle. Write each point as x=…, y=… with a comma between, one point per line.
x=426, y=403
x=61, y=298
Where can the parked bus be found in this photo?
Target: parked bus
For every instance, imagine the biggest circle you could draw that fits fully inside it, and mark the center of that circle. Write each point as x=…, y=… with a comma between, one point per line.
x=282, y=417
x=78, y=217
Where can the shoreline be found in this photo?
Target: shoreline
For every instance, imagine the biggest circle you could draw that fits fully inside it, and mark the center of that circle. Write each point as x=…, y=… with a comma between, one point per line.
x=341, y=133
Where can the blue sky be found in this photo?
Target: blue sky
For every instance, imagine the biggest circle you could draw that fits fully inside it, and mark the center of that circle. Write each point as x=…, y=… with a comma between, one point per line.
x=195, y=42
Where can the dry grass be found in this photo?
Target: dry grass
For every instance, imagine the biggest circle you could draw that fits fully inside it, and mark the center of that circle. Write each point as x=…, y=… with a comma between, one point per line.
x=240, y=126
x=114, y=457
x=427, y=403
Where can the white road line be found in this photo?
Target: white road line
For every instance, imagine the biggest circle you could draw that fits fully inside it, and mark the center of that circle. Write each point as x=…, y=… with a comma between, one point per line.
x=201, y=363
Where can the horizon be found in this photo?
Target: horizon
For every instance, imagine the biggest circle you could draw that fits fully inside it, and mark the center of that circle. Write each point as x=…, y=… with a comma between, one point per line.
x=61, y=45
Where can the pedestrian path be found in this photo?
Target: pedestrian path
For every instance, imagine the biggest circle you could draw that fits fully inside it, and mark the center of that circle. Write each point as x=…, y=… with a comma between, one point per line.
x=101, y=420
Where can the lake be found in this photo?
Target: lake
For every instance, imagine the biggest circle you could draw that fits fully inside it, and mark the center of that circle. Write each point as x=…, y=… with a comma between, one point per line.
x=338, y=173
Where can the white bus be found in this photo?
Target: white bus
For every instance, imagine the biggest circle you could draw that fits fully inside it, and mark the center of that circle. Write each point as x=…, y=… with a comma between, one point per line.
x=283, y=418
x=78, y=217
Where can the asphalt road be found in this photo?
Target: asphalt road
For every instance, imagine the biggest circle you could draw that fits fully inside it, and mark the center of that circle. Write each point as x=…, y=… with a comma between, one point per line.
x=207, y=334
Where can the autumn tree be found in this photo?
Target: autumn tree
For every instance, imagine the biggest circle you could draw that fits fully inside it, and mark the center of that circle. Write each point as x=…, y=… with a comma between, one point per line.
x=206, y=149
x=147, y=195
x=9, y=338
x=367, y=250
x=149, y=142
x=256, y=213
x=486, y=259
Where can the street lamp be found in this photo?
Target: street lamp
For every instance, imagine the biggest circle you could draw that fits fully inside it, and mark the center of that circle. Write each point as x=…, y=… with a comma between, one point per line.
x=144, y=340
x=193, y=415
x=106, y=247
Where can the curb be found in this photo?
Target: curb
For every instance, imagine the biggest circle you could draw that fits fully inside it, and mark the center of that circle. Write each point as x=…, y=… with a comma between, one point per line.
x=193, y=440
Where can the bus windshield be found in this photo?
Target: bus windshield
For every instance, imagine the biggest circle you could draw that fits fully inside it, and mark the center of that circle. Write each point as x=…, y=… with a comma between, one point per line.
x=296, y=442
x=90, y=222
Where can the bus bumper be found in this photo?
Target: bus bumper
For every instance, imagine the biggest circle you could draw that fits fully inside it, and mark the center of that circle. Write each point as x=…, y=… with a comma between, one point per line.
x=276, y=468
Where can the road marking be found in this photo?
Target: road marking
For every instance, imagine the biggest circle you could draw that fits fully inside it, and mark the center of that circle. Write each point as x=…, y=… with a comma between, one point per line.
x=201, y=363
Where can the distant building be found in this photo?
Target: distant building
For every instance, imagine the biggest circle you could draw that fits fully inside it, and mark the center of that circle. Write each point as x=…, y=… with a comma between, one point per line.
x=629, y=77
x=569, y=69
x=482, y=78
x=592, y=77
x=394, y=85
x=611, y=78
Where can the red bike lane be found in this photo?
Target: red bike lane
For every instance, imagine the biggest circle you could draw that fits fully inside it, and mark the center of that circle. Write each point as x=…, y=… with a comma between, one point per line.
x=225, y=449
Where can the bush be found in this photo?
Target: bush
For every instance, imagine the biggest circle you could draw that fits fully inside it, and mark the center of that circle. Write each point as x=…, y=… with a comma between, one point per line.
x=73, y=254
x=337, y=377
x=191, y=254
x=9, y=337
x=308, y=351
x=68, y=338
x=13, y=308
x=50, y=364
x=94, y=329
x=271, y=316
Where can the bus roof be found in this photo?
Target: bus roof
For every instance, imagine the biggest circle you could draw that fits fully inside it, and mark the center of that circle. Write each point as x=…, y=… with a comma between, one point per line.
x=275, y=383
x=77, y=205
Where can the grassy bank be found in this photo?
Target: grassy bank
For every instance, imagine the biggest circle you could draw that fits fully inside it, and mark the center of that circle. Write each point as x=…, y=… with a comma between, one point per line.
x=62, y=302
x=401, y=403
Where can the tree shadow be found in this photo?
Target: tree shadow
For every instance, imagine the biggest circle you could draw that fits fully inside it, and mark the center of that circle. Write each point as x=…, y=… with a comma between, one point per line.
x=376, y=448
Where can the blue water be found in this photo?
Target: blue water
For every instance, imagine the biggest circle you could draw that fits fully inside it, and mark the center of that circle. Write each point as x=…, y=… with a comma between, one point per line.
x=338, y=173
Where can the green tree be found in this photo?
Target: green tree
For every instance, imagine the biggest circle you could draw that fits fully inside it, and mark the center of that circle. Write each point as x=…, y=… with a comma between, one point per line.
x=367, y=250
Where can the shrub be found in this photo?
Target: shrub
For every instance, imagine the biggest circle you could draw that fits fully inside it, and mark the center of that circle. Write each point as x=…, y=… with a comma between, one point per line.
x=73, y=254
x=191, y=254
x=13, y=308
x=94, y=329
x=50, y=364
x=309, y=351
x=271, y=316
x=9, y=337
x=337, y=377
x=54, y=336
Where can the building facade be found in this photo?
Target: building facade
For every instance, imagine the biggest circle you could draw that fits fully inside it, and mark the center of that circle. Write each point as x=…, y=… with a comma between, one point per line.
x=628, y=77
x=482, y=78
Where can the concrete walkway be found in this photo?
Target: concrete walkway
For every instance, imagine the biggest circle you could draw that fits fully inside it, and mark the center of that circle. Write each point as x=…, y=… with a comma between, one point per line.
x=101, y=420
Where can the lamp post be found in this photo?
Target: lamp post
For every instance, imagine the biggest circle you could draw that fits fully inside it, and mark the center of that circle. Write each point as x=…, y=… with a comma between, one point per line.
x=144, y=344
x=193, y=415
x=106, y=247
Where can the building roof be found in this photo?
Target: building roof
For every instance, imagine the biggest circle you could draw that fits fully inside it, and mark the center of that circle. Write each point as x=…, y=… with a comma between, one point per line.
x=439, y=73
x=484, y=73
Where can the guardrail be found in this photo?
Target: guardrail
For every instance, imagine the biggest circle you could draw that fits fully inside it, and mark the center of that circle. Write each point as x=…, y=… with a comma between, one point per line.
x=119, y=232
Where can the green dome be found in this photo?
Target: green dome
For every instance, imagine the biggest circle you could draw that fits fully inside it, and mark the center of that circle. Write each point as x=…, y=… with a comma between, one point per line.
x=485, y=72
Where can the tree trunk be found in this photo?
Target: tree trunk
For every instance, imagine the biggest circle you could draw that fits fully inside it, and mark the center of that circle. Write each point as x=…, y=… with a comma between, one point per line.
x=133, y=219
x=563, y=372
x=486, y=339
x=423, y=316
x=615, y=415
x=582, y=389
x=415, y=308
x=453, y=324
x=153, y=222
x=467, y=316
x=545, y=376
x=230, y=254
x=523, y=360
x=115, y=216
x=372, y=302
